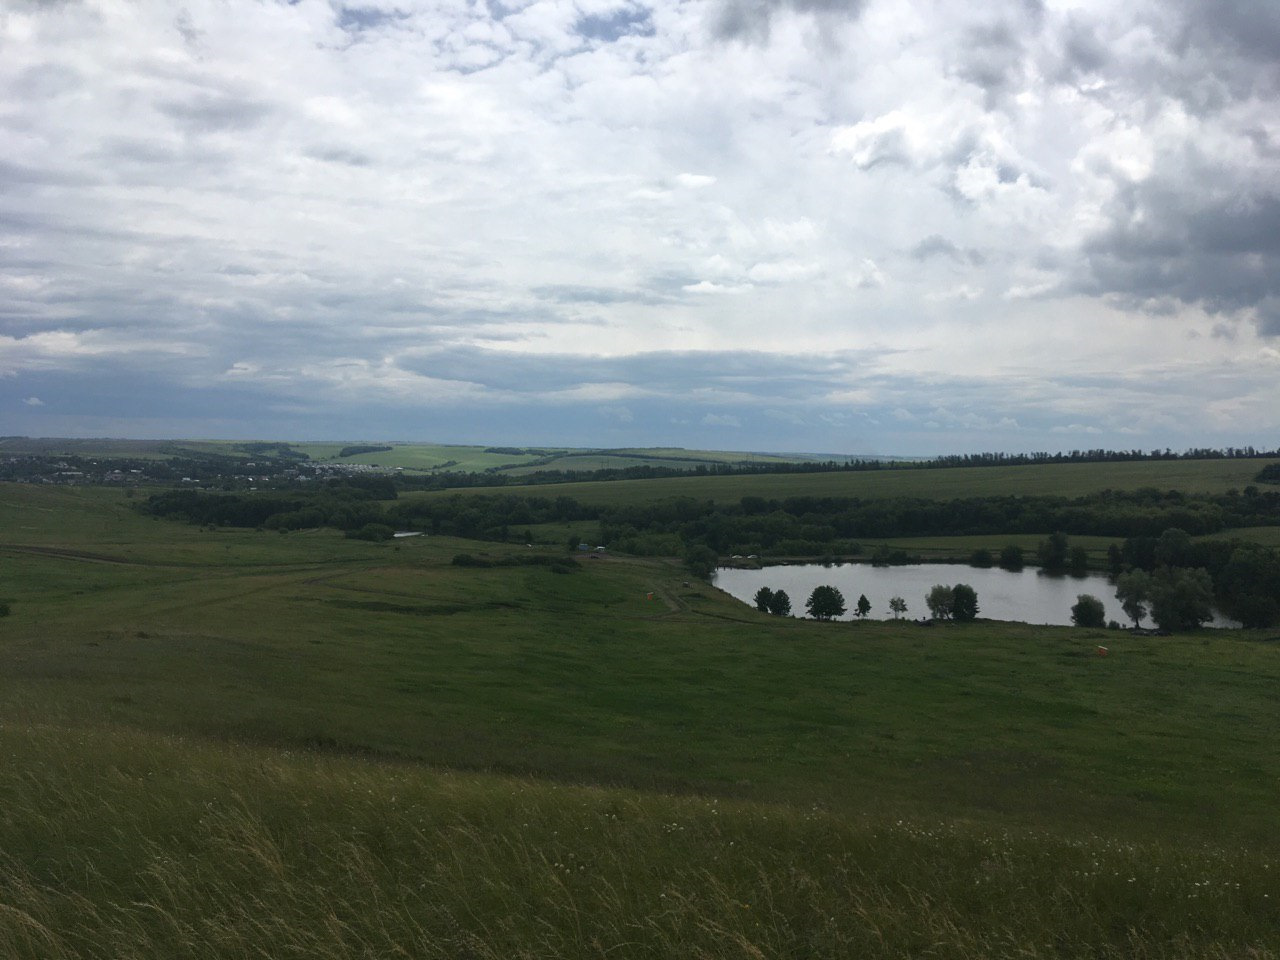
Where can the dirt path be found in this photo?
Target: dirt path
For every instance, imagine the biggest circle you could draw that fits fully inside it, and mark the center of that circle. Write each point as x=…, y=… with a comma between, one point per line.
x=66, y=554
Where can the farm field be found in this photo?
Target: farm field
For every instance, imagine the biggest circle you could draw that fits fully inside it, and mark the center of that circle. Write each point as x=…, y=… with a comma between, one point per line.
x=227, y=742
x=1267, y=536
x=1066, y=480
x=424, y=456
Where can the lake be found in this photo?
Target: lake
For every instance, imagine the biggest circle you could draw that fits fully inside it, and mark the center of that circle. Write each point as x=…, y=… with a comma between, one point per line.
x=1026, y=595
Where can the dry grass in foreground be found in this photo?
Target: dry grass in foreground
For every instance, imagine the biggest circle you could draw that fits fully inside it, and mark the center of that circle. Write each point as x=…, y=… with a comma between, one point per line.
x=126, y=845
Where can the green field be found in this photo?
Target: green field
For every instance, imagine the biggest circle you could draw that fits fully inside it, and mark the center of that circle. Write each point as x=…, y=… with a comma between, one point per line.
x=1066, y=480
x=426, y=456
x=247, y=744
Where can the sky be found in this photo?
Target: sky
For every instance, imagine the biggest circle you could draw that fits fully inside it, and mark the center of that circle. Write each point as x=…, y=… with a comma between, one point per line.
x=846, y=226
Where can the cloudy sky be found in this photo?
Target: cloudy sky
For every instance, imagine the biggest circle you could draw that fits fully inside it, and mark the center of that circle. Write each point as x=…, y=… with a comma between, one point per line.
x=869, y=226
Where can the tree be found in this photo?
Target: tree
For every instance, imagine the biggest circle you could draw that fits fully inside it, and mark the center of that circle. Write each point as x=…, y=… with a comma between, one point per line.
x=1088, y=611
x=1011, y=557
x=1079, y=561
x=1133, y=589
x=763, y=598
x=864, y=606
x=824, y=603
x=1052, y=553
x=1115, y=560
x=1248, y=586
x=1181, y=598
x=897, y=606
x=1173, y=548
x=964, y=603
x=780, y=605
x=981, y=558
x=940, y=600
x=701, y=561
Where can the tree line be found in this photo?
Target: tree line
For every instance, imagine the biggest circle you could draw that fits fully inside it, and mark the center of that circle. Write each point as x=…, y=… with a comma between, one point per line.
x=958, y=603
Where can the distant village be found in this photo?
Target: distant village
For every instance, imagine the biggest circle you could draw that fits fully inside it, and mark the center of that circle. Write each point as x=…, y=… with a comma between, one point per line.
x=220, y=473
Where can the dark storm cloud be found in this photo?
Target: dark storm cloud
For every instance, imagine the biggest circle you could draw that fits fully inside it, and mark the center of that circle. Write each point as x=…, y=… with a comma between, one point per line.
x=1248, y=27
x=753, y=19
x=1216, y=53
x=1182, y=239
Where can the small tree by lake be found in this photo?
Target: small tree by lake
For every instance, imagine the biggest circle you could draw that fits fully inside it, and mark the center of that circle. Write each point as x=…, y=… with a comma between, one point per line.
x=763, y=599
x=1053, y=553
x=1088, y=611
x=1133, y=590
x=1078, y=561
x=825, y=603
x=1011, y=557
x=863, y=607
x=897, y=606
x=964, y=603
x=939, y=601
x=1181, y=598
x=780, y=604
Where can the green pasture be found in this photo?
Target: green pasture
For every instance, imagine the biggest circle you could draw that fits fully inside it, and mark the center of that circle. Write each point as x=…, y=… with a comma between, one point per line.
x=715, y=456
x=606, y=461
x=236, y=744
x=420, y=456
x=313, y=638
x=1066, y=480
x=1267, y=536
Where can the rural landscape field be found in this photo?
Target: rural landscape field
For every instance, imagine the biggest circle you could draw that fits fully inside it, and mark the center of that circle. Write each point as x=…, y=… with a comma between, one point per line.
x=639, y=480
x=229, y=741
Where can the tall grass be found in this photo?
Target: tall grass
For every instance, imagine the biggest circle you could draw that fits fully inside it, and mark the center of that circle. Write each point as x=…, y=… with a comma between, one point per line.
x=125, y=845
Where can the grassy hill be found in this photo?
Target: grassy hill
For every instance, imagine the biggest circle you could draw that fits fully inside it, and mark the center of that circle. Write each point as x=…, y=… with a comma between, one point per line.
x=235, y=744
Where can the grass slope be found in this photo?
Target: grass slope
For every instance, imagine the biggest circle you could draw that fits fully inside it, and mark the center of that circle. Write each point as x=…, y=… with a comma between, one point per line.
x=127, y=846
x=216, y=746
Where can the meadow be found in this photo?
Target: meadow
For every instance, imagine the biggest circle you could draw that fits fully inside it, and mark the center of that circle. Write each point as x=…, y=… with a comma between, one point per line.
x=231, y=743
x=1062, y=480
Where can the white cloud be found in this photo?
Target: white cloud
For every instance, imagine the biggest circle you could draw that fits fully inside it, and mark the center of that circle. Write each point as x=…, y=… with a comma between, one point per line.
x=277, y=200
x=33, y=402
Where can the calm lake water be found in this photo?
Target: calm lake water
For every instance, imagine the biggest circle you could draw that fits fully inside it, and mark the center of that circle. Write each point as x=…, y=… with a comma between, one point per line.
x=1026, y=595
